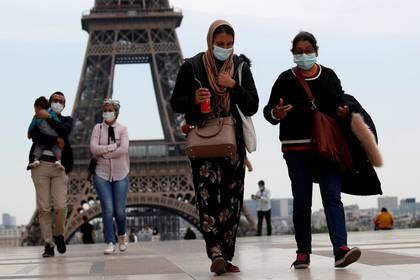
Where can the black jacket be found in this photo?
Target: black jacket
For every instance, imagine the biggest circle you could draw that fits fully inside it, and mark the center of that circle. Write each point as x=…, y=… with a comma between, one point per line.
x=63, y=129
x=245, y=95
x=363, y=180
x=327, y=92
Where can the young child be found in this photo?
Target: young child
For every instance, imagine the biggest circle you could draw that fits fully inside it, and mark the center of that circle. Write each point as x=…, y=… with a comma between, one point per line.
x=41, y=103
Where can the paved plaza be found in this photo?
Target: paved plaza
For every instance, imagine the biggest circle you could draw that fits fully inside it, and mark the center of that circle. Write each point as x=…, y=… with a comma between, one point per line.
x=386, y=255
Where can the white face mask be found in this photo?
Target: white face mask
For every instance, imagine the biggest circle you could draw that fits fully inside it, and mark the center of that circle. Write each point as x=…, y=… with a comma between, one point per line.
x=108, y=116
x=305, y=61
x=57, y=107
x=221, y=53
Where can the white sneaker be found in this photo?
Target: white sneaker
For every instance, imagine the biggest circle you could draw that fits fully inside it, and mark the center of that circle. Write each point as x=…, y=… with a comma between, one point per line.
x=59, y=165
x=110, y=249
x=34, y=164
x=123, y=242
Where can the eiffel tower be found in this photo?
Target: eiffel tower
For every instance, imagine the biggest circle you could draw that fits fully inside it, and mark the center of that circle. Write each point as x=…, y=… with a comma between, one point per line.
x=131, y=32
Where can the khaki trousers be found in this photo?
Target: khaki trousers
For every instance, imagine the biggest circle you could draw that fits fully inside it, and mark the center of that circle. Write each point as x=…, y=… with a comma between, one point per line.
x=51, y=194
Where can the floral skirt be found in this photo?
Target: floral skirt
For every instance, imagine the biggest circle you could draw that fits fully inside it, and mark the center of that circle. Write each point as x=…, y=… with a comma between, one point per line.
x=219, y=188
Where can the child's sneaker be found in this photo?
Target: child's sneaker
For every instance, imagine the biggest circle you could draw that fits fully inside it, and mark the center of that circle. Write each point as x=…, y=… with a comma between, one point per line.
x=34, y=164
x=59, y=165
x=122, y=242
x=346, y=256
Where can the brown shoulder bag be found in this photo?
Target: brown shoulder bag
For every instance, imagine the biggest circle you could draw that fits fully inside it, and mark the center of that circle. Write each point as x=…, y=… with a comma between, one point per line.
x=214, y=139
x=328, y=140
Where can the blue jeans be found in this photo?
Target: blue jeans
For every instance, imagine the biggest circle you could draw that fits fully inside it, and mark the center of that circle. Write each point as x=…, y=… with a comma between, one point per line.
x=302, y=167
x=113, y=197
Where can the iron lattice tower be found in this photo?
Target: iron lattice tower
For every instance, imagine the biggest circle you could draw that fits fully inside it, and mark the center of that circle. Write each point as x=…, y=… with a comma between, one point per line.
x=126, y=32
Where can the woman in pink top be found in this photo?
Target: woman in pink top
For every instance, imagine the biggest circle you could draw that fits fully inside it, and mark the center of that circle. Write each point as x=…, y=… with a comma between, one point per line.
x=109, y=145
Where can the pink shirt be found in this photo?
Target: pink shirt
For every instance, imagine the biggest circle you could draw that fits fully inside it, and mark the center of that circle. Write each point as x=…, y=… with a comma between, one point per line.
x=113, y=161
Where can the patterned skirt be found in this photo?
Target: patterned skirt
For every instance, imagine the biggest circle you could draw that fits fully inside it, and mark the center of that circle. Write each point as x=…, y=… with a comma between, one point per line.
x=219, y=188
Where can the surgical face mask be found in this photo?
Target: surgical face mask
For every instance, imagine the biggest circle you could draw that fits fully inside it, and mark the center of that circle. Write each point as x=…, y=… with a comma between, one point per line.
x=221, y=53
x=108, y=116
x=305, y=61
x=57, y=107
x=261, y=188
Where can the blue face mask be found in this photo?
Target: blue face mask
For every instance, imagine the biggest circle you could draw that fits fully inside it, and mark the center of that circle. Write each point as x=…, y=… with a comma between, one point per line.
x=221, y=53
x=305, y=61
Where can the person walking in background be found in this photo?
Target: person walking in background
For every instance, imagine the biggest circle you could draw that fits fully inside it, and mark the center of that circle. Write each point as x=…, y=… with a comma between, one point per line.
x=208, y=78
x=289, y=106
x=51, y=182
x=384, y=220
x=41, y=103
x=87, y=231
x=263, y=199
x=155, y=234
x=189, y=234
x=109, y=146
x=132, y=237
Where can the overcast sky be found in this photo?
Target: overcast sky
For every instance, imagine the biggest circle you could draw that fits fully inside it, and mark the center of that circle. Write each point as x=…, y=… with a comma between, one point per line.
x=372, y=46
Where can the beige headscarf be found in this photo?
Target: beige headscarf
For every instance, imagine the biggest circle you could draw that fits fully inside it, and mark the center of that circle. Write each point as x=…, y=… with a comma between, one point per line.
x=222, y=100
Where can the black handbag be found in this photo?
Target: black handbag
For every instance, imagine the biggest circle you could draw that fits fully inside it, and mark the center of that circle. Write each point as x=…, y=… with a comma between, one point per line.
x=92, y=163
x=92, y=166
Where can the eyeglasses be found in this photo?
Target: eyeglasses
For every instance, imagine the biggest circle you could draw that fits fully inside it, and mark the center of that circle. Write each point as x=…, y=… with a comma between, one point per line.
x=306, y=51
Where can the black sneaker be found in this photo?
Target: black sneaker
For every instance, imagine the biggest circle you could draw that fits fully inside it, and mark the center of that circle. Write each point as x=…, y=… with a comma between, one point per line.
x=49, y=251
x=346, y=256
x=61, y=245
x=302, y=261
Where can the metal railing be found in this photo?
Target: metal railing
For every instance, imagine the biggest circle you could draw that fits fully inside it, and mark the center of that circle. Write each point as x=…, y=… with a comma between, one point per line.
x=139, y=150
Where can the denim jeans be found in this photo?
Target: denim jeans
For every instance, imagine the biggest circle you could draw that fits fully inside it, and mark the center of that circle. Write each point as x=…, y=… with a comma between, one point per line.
x=302, y=167
x=113, y=197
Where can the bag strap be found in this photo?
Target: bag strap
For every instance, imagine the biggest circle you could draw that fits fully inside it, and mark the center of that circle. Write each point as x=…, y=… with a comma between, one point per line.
x=305, y=86
x=219, y=122
x=239, y=73
x=239, y=70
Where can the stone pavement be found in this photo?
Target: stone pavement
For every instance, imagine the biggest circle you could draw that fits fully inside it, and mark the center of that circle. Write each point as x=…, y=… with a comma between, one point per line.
x=385, y=255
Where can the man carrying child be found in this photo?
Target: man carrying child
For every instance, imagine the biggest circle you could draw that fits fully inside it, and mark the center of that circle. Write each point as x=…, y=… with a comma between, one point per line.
x=51, y=182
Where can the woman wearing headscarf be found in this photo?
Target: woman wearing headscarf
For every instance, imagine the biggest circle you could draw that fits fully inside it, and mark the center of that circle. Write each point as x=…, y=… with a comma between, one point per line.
x=109, y=146
x=210, y=78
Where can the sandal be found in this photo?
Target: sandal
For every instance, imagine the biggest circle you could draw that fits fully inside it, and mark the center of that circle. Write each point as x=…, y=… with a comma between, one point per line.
x=232, y=268
x=218, y=265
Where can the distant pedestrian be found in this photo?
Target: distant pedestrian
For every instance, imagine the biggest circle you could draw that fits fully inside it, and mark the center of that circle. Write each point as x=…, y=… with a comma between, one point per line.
x=384, y=220
x=263, y=199
x=87, y=231
x=155, y=234
x=189, y=234
x=109, y=145
x=51, y=182
x=132, y=237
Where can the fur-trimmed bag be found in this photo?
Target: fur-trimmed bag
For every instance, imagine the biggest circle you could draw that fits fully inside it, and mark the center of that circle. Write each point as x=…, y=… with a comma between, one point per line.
x=367, y=139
